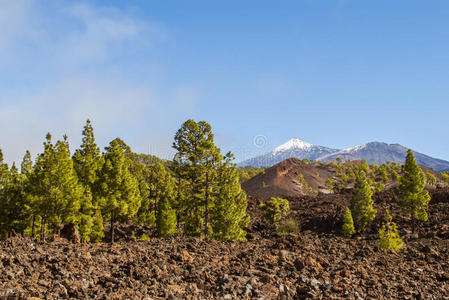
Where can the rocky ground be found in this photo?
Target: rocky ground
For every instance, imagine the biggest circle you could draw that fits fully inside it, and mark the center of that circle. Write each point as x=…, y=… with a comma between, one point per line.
x=317, y=263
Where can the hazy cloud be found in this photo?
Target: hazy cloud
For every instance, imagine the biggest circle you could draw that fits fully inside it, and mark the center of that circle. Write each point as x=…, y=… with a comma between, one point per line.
x=63, y=67
x=65, y=108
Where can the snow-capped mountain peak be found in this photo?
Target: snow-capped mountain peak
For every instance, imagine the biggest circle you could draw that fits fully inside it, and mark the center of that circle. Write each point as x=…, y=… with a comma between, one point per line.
x=294, y=143
x=355, y=148
x=373, y=152
x=293, y=148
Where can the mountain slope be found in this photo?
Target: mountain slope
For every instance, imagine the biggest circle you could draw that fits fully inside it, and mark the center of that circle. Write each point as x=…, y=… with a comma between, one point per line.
x=289, y=178
x=374, y=152
x=379, y=153
x=294, y=148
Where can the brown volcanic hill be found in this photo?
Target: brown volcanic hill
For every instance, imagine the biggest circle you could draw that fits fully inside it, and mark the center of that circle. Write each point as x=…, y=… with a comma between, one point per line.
x=283, y=180
x=294, y=178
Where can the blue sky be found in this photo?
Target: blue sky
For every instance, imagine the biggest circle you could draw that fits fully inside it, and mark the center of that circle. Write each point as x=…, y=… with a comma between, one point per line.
x=334, y=73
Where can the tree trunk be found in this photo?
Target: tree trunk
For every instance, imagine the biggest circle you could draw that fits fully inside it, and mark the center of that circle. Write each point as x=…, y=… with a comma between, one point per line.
x=206, y=212
x=33, y=226
x=178, y=215
x=112, y=228
x=43, y=229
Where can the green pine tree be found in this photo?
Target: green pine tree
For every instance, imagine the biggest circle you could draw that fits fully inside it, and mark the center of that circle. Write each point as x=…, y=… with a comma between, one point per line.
x=274, y=210
x=389, y=238
x=4, y=172
x=26, y=171
x=97, y=232
x=180, y=203
x=85, y=215
x=140, y=168
x=209, y=200
x=158, y=205
x=431, y=180
x=56, y=186
x=228, y=213
x=414, y=198
x=120, y=195
x=444, y=176
x=166, y=218
x=21, y=208
x=87, y=162
x=4, y=203
x=348, y=229
x=198, y=160
x=13, y=206
x=362, y=203
x=148, y=177
x=26, y=167
x=165, y=214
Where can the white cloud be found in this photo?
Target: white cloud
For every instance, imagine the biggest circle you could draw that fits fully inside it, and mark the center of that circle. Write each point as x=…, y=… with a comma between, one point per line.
x=99, y=34
x=64, y=110
x=16, y=22
x=75, y=72
x=145, y=119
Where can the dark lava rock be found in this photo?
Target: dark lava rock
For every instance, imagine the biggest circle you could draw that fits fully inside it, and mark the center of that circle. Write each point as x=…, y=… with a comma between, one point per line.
x=314, y=264
x=70, y=233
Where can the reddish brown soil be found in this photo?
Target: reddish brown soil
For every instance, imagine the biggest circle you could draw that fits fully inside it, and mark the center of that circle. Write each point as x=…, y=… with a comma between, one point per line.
x=282, y=180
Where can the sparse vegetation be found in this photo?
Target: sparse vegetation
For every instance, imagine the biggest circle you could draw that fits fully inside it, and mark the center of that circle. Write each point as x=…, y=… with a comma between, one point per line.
x=307, y=188
x=445, y=176
x=362, y=203
x=431, y=180
x=287, y=226
x=348, y=229
x=389, y=238
x=330, y=184
x=247, y=173
x=414, y=198
x=274, y=210
x=377, y=176
x=144, y=237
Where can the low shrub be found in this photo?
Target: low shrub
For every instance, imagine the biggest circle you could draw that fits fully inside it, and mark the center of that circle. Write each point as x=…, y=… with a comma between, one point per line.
x=144, y=237
x=348, y=229
x=274, y=210
x=389, y=238
x=287, y=226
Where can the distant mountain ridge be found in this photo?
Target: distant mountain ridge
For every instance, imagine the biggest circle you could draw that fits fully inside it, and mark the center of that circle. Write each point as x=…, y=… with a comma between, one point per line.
x=379, y=153
x=373, y=152
x=294, y=148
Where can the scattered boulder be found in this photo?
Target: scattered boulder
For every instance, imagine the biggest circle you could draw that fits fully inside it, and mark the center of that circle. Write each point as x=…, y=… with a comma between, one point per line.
x=70, y=233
